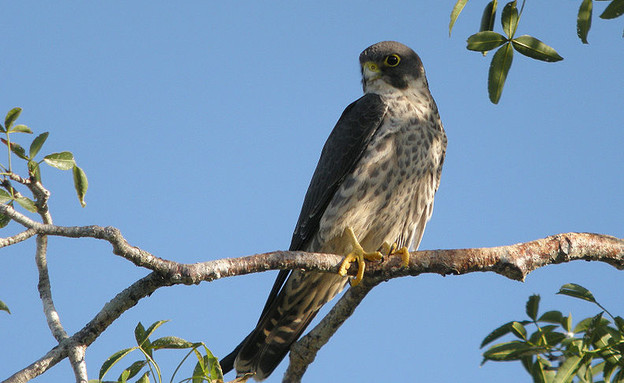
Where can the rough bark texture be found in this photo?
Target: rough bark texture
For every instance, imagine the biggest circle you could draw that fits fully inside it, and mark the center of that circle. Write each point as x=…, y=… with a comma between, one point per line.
x=514, y=261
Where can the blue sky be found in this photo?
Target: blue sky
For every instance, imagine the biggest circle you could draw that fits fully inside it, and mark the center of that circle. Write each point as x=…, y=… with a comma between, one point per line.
x=199, y=126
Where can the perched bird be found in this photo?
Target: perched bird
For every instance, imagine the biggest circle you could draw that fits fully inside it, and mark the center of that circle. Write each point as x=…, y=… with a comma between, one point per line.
x=372, y=191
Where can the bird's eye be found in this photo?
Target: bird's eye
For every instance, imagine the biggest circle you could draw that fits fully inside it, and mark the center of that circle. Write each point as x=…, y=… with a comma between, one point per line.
x=392, y=60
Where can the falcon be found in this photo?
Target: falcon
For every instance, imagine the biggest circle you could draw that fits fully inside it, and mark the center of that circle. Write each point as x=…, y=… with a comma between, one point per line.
x=371, y=193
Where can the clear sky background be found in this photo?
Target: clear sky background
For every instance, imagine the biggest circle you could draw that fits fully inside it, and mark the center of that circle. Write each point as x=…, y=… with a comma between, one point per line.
x=199, y=125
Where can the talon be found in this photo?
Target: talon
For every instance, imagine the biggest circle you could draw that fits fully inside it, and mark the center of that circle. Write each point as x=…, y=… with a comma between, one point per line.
x=394, y=250
x=357, y=254
x=404, y=254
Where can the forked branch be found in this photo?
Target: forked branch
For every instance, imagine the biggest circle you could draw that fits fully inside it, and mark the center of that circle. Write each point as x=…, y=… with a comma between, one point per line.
x=514, y=261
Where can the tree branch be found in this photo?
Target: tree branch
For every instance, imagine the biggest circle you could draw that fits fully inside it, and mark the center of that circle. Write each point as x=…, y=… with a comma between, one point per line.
x=112, y=310
x=17, y=238
x=303, y=353
x=514, y=261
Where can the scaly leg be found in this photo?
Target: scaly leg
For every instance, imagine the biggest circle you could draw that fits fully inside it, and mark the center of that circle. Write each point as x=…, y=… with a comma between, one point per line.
x=357, y=254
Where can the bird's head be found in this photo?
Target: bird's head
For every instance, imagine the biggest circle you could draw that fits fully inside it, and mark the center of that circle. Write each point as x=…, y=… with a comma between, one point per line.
x=390, y=65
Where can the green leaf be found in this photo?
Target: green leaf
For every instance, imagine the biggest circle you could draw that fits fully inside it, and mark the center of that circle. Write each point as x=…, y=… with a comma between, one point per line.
x=10, y=118
x=213, y=364
x=613, y=10
x=139, y=334
x=80, y=184
x=150, y=330
x=518, y=330
x=5, y=196
x=576, y=291
x=459, y=6
x=20, y=129
x=552, y=317
x=619, y=376
x=497, y=333
x=134, y=369
x=4, y=307
x=541, y=371
x=16, y=148
x=200, y=374
x=567, y=325
x=584, y=19
x=27, y=204
x=590, y=324
x=619, y=321
x=607, y=371
x=568, y=368
x=62, y=160
x=593, y=330
x=553, y=337
x=123, y=377
x=534, y=48
x=489, y=14
x=34, y=170
x=509, y=19
x=532, y=306
x=207, y=368
x=499, y=68
x=144, y=378
x=485, y=41
x=513, y=350
x=584, y=373
x=171, y=342
x=116, y=357
x=4, y=220
x=215, y=369
x=37, y=144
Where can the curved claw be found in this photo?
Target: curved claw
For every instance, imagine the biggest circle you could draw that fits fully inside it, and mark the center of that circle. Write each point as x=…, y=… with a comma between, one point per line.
x=404, y=254
x=393, y=250
x=357, y=254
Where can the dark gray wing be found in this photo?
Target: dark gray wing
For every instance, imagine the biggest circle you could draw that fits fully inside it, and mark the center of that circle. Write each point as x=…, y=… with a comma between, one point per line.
x=341, y=152
x=343, y=148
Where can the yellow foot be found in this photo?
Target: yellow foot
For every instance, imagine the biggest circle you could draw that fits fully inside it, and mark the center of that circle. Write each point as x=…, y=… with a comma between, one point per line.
x=393, y=250
x=357, y=254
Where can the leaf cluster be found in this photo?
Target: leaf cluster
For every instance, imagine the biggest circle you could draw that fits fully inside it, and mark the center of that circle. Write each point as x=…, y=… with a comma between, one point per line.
x=558, y=352
x=62, y=160
x=507, y=43
x=207, y=368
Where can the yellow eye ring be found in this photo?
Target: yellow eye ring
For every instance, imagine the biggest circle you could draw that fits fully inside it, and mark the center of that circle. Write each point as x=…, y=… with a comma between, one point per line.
x=392, y=60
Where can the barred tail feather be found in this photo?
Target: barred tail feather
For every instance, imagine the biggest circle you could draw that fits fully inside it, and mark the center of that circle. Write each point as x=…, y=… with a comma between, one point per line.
x=283, y=322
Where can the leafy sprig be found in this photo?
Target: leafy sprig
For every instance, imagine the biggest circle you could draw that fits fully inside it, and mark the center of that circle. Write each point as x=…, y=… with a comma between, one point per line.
x=62, y=160
x=505, y=44
x=557, y=352
x=207, y=368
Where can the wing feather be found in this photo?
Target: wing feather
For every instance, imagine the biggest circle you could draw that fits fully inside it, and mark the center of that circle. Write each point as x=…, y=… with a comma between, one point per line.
x=343, y=149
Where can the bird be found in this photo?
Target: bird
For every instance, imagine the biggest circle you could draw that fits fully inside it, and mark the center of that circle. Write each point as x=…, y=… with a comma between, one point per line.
x=371, y=195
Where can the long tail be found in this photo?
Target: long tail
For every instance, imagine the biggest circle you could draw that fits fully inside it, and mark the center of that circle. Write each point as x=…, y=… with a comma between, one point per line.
x=282, y=323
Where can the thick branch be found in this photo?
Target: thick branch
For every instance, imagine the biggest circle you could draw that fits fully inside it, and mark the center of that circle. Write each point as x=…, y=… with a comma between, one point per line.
x=514, y=261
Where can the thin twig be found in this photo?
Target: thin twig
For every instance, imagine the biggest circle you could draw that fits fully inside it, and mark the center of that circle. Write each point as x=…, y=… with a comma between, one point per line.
x=22, y=236
x=52, y=317
x=122, y=302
